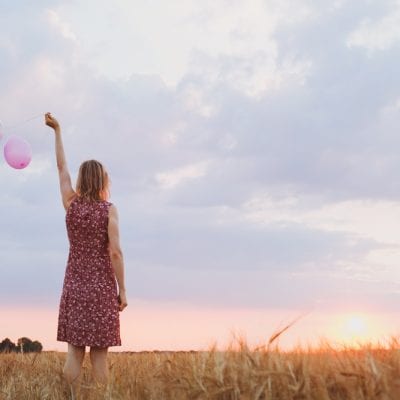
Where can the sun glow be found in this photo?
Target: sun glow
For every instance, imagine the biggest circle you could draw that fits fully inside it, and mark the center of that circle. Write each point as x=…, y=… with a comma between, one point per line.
x=356, y=328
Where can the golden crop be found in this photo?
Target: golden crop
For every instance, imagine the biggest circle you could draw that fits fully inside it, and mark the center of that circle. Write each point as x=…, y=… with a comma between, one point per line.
x=238, y=372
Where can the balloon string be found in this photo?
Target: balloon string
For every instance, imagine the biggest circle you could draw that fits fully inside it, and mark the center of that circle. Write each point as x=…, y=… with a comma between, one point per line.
x=24, y=122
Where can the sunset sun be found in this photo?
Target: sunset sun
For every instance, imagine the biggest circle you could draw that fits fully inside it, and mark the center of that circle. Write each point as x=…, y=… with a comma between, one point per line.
x=356, y=325
x=354, y=328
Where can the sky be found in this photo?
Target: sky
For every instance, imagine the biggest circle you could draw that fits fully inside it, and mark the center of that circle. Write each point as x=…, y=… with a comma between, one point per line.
x=253, y=152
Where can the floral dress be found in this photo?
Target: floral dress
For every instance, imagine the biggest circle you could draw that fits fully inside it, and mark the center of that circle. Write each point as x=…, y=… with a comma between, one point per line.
x=89, y=309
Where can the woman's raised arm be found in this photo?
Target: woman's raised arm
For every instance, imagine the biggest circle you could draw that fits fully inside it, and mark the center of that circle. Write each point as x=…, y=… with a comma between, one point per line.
x=67, y=192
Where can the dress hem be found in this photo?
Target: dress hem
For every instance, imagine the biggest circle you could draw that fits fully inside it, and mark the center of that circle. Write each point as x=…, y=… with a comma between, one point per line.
x=89, y=345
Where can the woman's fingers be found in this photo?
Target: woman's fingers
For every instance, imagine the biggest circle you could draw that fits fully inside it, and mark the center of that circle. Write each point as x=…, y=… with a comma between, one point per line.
x=122, y=302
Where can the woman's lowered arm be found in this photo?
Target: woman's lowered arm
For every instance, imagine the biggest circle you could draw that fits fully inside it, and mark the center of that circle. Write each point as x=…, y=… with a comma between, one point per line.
x=116, y=255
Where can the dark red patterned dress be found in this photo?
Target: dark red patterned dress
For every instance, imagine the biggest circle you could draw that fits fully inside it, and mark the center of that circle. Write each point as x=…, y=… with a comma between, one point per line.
x=89, y=310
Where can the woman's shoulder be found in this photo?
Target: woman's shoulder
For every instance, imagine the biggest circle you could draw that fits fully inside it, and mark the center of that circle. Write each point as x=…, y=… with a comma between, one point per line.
x=105, y=204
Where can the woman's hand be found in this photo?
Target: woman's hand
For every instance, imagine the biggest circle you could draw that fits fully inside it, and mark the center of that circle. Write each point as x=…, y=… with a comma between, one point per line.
x=122, y=300
x=51, y=121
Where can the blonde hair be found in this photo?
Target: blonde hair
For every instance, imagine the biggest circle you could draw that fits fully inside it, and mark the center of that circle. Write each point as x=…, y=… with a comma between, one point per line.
x=92, y=183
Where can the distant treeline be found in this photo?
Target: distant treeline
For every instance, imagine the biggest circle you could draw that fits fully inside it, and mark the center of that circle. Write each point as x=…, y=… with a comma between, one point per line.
x=24, y=345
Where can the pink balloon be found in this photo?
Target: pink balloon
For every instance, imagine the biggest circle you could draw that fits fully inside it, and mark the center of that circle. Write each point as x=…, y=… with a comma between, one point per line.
x=17, y=152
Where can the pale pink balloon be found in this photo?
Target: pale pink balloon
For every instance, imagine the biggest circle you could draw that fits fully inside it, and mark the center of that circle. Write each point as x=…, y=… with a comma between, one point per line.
x=17, y=152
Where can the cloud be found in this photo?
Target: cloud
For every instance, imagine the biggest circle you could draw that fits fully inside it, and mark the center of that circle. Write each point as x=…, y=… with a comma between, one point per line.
x=63, y=28
x=374, y=34
x=170, y=179
x=197, y=116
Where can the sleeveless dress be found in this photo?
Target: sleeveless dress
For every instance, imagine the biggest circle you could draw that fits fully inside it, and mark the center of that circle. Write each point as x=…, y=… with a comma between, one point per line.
x=89, y=308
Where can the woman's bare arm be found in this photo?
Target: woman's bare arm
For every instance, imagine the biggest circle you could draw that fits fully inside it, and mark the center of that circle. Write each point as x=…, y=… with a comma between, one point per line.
x=116, y=255
x=67, y=192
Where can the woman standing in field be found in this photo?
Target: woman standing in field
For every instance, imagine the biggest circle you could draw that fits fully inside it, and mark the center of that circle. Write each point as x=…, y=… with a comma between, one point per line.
x=90, y=304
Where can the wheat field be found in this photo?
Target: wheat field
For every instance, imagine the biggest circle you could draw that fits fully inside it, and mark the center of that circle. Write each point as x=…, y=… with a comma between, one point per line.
x=237, y=372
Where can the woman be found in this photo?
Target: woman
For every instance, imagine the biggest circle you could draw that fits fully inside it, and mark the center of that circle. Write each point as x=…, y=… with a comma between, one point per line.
x=90, y=305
